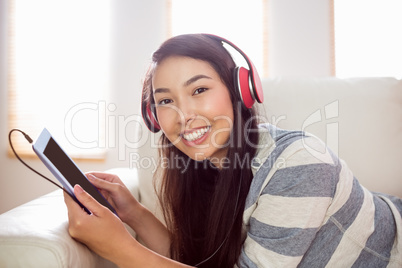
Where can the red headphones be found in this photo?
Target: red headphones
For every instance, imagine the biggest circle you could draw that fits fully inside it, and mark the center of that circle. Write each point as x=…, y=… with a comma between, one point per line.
x=246, y=81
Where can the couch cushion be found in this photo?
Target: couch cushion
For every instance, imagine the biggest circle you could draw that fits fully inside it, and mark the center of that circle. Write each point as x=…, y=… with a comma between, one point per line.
x=35, y=234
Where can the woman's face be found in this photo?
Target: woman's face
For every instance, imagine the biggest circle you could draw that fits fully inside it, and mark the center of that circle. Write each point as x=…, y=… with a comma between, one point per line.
x=193, y=107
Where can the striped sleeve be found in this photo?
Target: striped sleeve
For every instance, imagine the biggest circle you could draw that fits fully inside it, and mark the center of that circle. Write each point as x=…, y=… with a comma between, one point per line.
x=290, y=209
x=306, y=209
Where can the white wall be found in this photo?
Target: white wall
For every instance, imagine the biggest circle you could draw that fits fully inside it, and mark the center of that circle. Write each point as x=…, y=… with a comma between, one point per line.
x=298, y=45
x=299, y=38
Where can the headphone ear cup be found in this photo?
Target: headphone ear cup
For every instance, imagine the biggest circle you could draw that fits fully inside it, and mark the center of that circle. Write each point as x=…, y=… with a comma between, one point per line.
x=257, y=92
x=154, y=123
x=149, y=118
x=242, y=84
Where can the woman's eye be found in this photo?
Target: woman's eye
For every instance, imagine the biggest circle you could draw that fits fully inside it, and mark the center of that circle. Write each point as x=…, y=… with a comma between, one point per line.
x=164, y=102
x=199, y=90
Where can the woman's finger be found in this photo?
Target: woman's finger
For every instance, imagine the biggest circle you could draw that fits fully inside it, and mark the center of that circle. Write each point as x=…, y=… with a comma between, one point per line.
x=74, y=209
x=100, y=183
x=88, y=201
x=105, y=176
x=68, y=200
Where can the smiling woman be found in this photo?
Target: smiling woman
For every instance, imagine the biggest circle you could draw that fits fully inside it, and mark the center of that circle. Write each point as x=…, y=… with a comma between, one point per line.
x=230, y=186
x=194, y=108
x=201, y=95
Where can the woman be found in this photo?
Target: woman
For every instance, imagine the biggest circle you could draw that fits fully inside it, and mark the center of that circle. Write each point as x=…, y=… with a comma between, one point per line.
x=249, y=195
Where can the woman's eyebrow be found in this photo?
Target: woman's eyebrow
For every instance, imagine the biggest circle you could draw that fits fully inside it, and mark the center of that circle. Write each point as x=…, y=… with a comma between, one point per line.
x=187, y=83
x=161, y=90
x=195, y=78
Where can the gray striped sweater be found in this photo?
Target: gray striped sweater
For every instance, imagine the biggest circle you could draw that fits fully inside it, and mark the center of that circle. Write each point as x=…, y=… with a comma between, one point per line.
x=306, y=209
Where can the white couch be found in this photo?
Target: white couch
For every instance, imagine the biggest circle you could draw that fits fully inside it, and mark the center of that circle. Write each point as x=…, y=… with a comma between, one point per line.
x=359, y=118
x=35, y=234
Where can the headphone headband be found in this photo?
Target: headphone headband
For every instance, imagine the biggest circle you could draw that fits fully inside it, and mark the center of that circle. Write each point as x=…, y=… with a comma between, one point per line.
x=254, y=78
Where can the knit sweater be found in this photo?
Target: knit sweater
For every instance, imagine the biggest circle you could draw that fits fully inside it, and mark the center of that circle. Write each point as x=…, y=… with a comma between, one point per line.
x=306, y=209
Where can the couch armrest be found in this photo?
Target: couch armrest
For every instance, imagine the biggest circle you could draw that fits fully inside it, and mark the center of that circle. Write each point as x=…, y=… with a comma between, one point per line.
x=35, y=234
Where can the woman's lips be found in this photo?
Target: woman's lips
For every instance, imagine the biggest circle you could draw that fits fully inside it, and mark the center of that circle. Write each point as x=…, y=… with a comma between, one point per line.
x=195, y=136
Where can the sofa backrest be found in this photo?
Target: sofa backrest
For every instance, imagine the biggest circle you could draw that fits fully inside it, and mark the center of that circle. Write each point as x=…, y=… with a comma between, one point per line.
x=360, y=119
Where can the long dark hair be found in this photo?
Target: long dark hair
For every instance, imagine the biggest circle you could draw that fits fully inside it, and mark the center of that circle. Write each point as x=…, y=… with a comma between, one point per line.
x=202, y=205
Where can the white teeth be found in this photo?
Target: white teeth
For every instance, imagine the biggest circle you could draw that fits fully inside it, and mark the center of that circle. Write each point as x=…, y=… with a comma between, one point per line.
x=196, y=134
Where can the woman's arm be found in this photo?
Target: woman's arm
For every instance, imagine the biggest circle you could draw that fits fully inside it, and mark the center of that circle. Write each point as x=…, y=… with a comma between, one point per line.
x=105, y=234
x=152, y=232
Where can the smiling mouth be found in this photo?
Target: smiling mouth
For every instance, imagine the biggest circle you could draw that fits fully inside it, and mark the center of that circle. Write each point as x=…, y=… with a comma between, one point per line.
x=196, y=134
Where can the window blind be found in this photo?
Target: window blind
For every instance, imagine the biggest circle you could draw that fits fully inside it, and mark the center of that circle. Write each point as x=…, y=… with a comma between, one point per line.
x=367, y=42
x=58, y=60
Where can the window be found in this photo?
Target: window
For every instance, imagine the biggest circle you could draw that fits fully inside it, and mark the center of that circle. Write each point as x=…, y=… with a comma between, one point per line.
x=58, y=72
x=241, y=22
x=367, y=38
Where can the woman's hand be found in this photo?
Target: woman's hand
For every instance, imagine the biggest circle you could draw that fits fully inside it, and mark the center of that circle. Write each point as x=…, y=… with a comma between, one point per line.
x=102, y=231
x=117, y=194
x=152, y=232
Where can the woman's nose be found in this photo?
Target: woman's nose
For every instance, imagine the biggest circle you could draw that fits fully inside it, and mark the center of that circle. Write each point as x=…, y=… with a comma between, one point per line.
x=187, y=113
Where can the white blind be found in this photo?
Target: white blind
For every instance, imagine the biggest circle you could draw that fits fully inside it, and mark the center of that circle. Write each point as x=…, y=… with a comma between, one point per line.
x=367, y=38
x=242, y=22
x=58, y=72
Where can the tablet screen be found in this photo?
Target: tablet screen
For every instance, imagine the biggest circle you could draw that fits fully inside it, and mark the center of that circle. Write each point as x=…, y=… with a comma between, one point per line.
x=70, y=171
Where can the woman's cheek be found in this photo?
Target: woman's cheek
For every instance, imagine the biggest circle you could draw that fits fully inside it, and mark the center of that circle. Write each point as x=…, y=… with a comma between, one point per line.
x=167, y=117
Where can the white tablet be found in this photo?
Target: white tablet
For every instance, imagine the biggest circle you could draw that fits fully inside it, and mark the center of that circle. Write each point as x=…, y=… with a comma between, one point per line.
x=64, y=169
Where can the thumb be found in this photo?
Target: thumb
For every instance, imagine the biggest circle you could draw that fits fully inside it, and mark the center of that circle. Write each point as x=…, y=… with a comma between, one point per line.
x=87, y=200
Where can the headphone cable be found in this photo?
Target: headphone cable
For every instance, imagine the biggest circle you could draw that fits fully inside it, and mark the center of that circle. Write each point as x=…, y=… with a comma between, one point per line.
x=23, y=162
